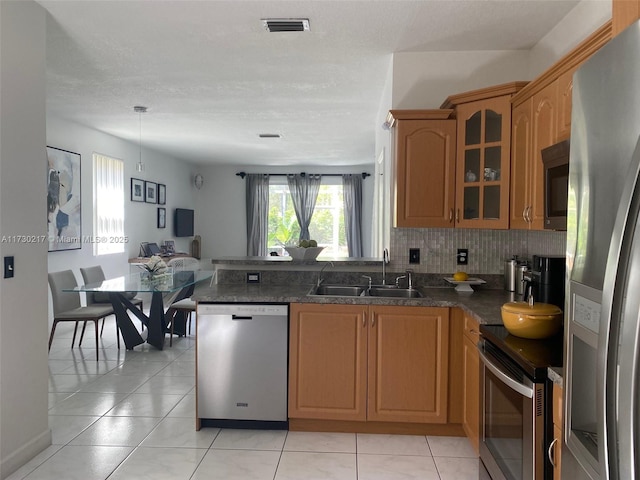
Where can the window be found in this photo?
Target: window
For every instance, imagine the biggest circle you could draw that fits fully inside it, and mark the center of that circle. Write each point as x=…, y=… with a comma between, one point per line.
x=108, y=205
x=327, y=223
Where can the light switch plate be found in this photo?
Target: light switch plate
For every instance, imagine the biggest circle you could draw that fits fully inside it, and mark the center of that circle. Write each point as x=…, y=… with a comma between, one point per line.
x=8, y=267
x=414, y=255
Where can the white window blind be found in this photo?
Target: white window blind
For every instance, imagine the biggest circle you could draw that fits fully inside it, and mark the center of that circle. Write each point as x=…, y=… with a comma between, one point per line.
x=108, y=205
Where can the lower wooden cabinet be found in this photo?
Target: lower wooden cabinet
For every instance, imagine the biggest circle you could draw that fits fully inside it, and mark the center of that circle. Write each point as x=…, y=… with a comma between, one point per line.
x=375, y=363
x=471, y=379
x=556, y=447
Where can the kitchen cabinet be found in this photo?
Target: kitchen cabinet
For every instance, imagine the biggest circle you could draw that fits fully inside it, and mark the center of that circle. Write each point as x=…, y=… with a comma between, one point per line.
x=624, y=13
x=565, y=90
x=521, y=153
x=471, y=379
x=328, y=361
x=373, y=363
x=483, y=156
x=535, y=126
x=541, y=116
x=556, y=447
x=425, y=154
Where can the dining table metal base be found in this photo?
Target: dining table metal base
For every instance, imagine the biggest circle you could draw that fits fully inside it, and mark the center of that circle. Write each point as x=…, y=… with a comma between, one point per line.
x=154, y=322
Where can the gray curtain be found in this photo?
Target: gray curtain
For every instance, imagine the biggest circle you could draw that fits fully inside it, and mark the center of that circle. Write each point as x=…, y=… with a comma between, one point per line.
x=352, y=192
x=304, y=193
x=257, y=213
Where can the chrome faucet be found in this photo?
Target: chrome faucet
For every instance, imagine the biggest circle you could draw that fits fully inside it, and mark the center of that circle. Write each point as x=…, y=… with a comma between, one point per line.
x=322, y=270
x=385, y=261
x=409, y=276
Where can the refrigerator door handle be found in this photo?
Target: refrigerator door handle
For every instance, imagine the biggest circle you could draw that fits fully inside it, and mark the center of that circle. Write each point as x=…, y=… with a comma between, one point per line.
x=616, y=436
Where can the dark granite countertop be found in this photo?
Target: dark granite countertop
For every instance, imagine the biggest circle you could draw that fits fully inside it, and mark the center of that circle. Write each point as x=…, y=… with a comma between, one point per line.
x=484, y=305
x=273, y=261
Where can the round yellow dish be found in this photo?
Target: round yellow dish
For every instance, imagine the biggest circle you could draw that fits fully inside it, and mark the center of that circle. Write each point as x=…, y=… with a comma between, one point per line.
x=540, y=320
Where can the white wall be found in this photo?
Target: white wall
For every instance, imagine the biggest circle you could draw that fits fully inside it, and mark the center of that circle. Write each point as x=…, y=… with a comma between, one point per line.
x=578, y=24
x=221, y=206
x=24, y=428
x=426, y=79
x=140, y=218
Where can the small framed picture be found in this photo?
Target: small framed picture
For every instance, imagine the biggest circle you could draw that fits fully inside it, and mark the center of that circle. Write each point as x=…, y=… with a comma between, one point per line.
x=150, y=192
x=162, y=194
x=137, y=190
x=162, y=217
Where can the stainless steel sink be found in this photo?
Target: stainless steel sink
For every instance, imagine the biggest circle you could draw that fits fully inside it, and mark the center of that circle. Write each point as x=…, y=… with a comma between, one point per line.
x=339, y=290
x=393, y=292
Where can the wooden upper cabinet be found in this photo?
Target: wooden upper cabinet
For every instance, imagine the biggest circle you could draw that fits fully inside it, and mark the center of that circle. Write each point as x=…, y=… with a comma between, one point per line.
x=545, y=128
x=408, y=364
x=482, y=168
x=425, y=168
x=521, y=154
x=328, y=361
x=565, y=90
x=624, y=13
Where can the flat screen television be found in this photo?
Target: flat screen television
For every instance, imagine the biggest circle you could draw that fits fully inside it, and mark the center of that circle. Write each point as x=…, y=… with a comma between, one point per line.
x=183, y=222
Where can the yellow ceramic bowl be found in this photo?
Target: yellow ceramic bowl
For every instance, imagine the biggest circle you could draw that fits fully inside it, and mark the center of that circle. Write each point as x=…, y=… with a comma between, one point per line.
x=540, y=320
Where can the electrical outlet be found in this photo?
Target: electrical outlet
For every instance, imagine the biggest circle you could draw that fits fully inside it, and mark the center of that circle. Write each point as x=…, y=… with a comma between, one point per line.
x=414, y=255
x=463, y=256
x=253, y=277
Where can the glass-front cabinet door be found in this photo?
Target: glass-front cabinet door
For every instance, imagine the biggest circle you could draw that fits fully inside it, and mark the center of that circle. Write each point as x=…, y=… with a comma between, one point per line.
x=482, y=173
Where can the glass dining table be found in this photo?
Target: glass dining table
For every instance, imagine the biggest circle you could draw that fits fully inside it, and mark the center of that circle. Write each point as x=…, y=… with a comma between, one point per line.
x=172, y=286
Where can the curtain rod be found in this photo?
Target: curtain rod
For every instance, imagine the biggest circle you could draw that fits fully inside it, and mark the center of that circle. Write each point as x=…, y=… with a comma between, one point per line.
x=244, y=174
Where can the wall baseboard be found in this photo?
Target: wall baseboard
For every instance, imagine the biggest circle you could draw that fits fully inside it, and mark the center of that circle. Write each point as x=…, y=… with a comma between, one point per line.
x=26, y=452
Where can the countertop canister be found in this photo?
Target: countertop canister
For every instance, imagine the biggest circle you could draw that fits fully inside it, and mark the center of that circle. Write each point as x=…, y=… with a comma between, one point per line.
x=510, y=274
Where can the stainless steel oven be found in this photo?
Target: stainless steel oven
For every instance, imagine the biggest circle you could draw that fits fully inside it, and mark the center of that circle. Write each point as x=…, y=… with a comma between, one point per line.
x=515, y=416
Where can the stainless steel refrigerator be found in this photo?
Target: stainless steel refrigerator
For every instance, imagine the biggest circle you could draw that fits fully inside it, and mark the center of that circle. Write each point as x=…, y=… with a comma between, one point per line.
x=602, y=326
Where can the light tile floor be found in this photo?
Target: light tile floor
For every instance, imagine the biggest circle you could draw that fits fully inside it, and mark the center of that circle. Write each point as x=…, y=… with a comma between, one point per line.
x=130, y=416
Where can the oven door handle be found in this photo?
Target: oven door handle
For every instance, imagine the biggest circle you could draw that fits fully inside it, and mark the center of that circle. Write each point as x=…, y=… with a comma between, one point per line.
x=506, y=379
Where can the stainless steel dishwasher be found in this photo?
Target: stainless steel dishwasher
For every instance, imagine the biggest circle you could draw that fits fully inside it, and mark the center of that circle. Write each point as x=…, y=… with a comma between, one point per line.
x=242, y=352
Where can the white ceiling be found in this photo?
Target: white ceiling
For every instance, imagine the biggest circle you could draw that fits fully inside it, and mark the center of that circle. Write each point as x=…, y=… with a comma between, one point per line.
x=213, y=78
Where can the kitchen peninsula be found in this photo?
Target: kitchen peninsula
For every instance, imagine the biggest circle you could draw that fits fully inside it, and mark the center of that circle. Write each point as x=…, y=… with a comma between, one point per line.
x=364, y=363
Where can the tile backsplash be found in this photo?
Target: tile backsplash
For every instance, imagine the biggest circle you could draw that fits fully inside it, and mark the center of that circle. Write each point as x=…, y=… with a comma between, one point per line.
x=488, y=249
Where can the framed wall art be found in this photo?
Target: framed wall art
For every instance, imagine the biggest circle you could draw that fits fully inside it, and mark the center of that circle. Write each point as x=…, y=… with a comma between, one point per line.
x=64, y=209
x=162, y=217
x=137, y=190
x=150, y=192
x=162, y=194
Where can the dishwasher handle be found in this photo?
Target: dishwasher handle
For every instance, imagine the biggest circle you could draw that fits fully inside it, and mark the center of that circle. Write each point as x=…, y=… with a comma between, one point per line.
x=241, y=317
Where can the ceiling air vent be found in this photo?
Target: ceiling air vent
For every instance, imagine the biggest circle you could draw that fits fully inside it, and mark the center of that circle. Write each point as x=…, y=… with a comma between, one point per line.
x=269, y=135
x=286, y=24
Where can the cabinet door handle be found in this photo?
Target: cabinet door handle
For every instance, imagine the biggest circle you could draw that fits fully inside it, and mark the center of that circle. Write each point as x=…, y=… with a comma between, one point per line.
x=373, y=320
x=458, y=215
x=364, y=318
x=551, y=452
x=450, y=215
x=524, y=214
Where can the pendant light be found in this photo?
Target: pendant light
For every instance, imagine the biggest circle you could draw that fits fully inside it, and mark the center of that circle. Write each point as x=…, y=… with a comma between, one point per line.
x=140, y=110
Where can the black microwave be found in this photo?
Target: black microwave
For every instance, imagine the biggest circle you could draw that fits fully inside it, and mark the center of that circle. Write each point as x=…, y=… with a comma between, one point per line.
x=556, y=185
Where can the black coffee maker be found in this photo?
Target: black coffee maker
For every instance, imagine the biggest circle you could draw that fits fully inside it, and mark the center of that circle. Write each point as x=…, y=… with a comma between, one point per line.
x=546, y=280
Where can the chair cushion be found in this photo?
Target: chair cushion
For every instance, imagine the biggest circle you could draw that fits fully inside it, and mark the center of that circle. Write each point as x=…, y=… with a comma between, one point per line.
x=184, y=304
x=82, y=313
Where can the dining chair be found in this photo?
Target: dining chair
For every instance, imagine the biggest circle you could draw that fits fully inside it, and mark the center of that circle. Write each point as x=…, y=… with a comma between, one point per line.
x=95, y=274
x=186, y=305
x=67, y=307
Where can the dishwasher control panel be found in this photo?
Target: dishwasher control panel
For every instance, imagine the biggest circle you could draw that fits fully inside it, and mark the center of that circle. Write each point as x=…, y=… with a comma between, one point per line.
x=246, y=309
